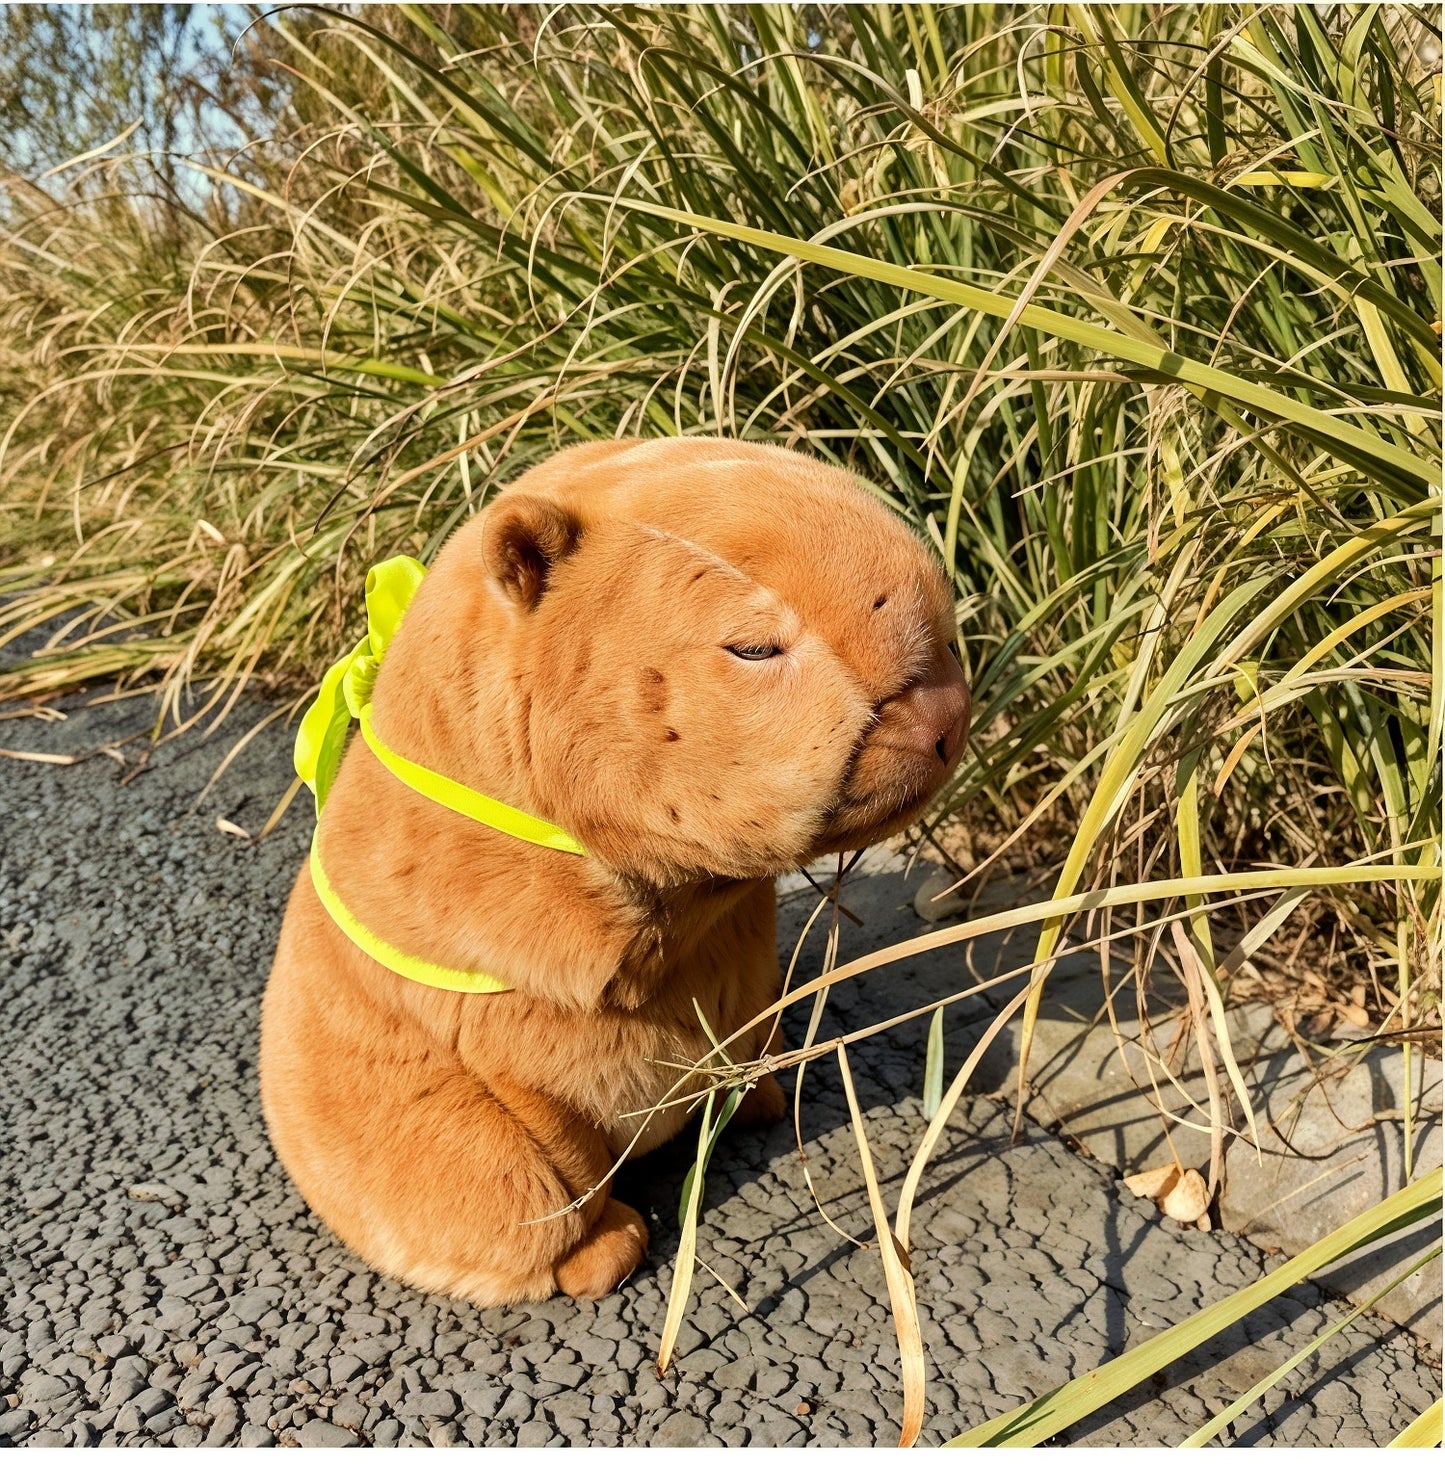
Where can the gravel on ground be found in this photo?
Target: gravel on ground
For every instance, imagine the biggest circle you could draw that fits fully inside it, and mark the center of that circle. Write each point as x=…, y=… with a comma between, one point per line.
x=163, y=1282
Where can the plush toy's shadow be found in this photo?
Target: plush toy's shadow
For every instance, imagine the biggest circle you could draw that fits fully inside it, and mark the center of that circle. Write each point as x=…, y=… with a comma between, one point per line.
x=887, y=1067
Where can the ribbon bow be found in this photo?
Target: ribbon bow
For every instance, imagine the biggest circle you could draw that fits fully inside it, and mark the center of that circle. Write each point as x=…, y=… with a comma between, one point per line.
x=347, y=686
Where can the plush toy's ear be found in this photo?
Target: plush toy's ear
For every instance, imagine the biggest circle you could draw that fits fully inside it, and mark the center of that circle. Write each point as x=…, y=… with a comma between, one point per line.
x=523, y=539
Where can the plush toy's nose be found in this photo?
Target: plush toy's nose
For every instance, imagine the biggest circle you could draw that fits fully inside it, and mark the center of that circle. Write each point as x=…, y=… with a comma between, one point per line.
x=932, y=714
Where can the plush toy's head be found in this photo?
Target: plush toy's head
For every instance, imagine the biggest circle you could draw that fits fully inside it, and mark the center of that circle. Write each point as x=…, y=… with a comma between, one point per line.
x=699, y=656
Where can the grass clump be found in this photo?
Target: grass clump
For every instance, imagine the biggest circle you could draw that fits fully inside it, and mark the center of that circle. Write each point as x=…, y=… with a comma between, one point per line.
x=1133, y=313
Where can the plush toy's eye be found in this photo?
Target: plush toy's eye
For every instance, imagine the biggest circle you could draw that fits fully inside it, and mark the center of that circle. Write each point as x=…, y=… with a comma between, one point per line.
x=755, y=653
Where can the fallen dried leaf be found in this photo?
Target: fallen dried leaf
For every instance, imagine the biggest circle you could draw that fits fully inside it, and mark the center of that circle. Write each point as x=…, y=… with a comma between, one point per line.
x=1181, y=1195
x=1152, y=1183
x=1187, y=1200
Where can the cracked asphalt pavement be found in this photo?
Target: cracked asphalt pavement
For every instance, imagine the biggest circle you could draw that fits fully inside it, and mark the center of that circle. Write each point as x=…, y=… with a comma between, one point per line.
x=163, y=1282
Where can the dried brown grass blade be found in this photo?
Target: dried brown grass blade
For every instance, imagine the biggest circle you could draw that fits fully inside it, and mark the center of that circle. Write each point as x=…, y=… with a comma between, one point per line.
x=44, y=714
x=57, y=759
x=895, y=1267
x=237, y=747
x=686, y=1250
x=945, y=1112
x=279, y=812
x=1194, y=979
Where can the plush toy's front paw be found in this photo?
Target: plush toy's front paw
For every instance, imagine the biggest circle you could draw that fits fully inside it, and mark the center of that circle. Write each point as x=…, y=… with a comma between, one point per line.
x=766, y=1103
x=607, y=1255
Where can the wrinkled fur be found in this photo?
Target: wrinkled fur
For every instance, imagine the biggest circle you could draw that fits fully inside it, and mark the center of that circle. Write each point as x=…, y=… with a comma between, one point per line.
x=567, y=655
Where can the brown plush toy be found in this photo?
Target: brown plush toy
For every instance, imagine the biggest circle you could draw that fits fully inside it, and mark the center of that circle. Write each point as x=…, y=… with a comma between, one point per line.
x=709, y=662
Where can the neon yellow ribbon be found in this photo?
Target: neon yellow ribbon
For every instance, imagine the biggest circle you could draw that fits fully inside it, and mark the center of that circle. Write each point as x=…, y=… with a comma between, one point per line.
x=347, y=686
x=345, y=694
x=461, y=799
x=412, y=967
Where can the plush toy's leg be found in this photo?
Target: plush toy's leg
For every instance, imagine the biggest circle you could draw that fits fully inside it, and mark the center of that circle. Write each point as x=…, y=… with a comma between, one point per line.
x=454, y=1188
x=451, y=1183
x=606, y=1255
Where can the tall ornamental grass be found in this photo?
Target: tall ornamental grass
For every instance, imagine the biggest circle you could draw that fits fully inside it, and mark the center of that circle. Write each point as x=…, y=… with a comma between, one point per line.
x=1132, y=311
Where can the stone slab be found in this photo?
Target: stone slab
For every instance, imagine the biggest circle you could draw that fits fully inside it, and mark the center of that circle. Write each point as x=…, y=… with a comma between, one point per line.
x=1331, y=1121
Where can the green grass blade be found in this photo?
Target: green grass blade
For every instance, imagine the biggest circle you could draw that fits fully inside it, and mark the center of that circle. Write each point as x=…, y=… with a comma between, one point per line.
x=933, y=1066
x=699, y=1165
x=1424, y=1432
x=1321, y=427
x=1226, y=1416
x=1036, y=1422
